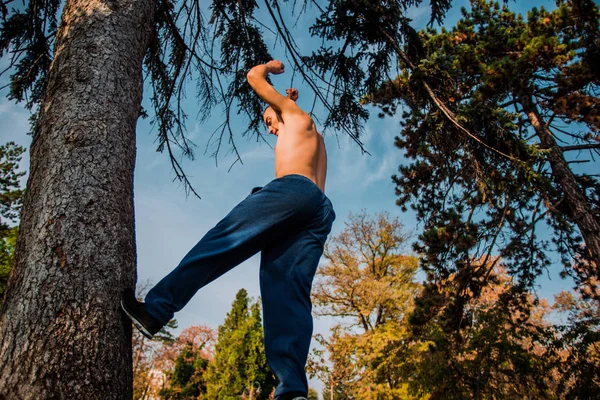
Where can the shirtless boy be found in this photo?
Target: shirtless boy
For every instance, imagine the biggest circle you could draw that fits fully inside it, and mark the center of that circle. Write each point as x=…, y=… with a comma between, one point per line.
x=287, y=220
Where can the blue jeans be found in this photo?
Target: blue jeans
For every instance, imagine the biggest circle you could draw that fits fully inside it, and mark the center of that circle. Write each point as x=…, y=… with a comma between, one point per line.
x=288, y=220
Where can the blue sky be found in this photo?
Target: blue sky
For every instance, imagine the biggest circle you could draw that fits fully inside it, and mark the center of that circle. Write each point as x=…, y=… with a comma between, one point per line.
x=168, y=223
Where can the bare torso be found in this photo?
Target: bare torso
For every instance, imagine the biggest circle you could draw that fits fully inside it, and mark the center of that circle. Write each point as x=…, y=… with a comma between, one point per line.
x=300, y=150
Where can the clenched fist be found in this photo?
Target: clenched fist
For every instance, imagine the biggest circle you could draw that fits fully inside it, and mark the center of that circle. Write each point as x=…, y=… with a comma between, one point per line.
x=275, y=67
x=292, y=93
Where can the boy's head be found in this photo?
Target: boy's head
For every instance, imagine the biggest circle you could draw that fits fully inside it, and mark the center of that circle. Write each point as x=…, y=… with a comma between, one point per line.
x=273, y=118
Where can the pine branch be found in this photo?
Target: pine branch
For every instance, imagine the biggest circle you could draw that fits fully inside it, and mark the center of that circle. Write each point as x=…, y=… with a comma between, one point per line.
x=285, y=35
x=580, y=147
x=440, y=105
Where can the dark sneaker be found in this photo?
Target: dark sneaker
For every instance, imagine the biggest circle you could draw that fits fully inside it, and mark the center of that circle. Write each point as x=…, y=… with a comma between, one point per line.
x=136, y=311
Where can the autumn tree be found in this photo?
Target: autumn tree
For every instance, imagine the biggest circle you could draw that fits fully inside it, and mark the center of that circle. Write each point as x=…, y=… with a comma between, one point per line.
x=83, y=80
x=501, y=349
x=187, y=378
x=172, y=366
x=578, y=344
x=11, y=196
x=145, y=360
x=369, y=283
x=497, y=111
x=200, y=339
x=329, y=362
x=240, y=366
x=147, y=353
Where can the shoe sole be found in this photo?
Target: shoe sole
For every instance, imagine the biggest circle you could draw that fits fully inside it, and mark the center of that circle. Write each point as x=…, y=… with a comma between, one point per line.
x=136, y=323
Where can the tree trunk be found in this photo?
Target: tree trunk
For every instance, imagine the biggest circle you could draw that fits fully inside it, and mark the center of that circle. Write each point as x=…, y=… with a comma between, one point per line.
x=331, y=390
x=62, y=334
x=582, y=213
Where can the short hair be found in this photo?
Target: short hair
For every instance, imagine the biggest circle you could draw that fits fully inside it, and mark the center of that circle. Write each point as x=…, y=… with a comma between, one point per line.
x=274, y=110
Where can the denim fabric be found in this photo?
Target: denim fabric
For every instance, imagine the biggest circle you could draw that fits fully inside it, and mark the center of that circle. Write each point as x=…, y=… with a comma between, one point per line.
x=288, y=220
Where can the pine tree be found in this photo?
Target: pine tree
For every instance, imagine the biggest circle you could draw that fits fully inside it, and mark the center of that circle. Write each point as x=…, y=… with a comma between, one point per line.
x=239, y=367
x=83, y=80
x=501, y=350
x=495, y=110
x=62, y=333
x=187, y=380
x=498, y=112
x=175, y=367
x=11, y=197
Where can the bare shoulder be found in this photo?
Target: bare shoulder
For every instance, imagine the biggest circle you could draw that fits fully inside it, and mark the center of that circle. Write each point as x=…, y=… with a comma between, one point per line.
x=295, y=115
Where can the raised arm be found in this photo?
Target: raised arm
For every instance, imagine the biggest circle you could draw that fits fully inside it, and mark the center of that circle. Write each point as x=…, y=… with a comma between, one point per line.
x=257, y=78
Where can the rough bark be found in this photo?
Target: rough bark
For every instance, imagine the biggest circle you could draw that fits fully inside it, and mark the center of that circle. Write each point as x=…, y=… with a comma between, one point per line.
x=62, y=334
x=588, y=225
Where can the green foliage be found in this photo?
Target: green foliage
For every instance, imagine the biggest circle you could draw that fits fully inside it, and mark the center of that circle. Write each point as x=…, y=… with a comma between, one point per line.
x=165, y=335
x=30, y=32
x=216, y=43
x=8, y=242
x=11, y=198
x=500, y=350
x=144, y=352
x=187, y=380
x=240, y=366
x=312, y=394
x=370, y=285
x=581, y=335
x=173, y=368
x=493, y=186
x=492, y=111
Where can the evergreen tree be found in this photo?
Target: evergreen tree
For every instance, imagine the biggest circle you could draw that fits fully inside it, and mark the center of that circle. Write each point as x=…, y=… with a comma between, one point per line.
x=500, y=110
x=62, y=333
x=10, y=205
x=495, y=110
x=240, y=367
x=187, y=380
x=500, y=351
x=83, y=79
x=8, y=241
x=578, y=345
x=11, y=195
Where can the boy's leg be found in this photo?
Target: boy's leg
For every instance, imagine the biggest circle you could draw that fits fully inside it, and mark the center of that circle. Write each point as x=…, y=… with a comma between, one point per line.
x=286, y=274
x=281, y=205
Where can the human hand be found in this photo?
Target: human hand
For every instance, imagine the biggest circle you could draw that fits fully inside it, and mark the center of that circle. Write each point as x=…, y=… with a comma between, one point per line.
x=292, y=93
x=275, y=67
